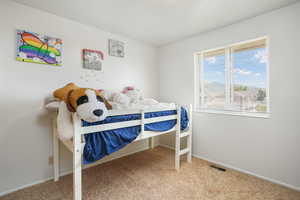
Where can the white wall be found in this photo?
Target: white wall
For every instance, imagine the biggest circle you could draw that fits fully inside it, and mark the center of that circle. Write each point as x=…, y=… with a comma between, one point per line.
x=25, y=140
x=265, y=147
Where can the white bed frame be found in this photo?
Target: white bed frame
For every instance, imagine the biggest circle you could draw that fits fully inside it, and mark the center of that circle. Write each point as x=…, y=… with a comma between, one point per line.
x=76, y=146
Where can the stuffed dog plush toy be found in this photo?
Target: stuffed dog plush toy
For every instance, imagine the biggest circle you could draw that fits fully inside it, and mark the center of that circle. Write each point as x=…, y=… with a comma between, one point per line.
x=88, y=103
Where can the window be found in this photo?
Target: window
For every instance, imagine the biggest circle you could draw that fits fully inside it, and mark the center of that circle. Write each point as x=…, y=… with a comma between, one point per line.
x=233, y=79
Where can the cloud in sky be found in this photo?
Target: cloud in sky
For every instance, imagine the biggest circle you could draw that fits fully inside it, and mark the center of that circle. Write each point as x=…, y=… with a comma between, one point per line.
x=242, y=71
x=211, y=60
x=261, y=55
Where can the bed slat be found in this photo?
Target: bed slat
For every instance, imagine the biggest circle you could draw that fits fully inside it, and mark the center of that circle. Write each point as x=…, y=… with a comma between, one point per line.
x=138, y=111
x=116, y=125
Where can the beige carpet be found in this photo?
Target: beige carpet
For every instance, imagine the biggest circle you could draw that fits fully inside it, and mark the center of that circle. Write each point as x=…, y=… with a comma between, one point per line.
x=150, y=175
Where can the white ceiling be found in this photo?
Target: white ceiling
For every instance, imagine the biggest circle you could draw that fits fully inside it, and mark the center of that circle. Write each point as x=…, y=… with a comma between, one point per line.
x=157, y=22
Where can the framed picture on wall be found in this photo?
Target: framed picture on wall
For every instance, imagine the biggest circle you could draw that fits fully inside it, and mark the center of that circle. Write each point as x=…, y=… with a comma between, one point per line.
x=92, y=59
x=116, y=48
x=38, y=48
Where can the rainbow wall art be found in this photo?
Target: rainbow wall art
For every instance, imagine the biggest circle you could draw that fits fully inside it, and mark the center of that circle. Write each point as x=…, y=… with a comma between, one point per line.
x=38, y=48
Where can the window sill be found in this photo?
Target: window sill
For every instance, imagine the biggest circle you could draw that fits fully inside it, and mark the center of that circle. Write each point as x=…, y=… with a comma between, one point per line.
x=234, y=113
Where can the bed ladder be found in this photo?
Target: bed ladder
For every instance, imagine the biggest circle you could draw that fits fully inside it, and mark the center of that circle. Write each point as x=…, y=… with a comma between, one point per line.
x=180, y=135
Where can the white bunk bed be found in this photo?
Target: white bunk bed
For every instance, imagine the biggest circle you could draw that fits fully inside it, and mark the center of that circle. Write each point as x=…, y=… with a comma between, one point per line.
x=76, y=145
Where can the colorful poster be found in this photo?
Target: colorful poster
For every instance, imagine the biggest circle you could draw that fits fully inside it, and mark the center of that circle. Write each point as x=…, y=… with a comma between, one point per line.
x=38, y=48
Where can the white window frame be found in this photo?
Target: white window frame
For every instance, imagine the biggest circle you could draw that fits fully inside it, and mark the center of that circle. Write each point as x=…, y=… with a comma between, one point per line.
x=198, y=82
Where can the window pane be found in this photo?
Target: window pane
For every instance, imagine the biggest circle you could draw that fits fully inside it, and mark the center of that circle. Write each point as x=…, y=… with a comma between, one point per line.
x=214, y=79
x=249, y=63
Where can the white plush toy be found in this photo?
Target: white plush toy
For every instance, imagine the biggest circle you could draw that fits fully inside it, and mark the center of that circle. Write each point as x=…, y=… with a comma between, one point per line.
x=120, y=99
x=134, y=95
x=64, y=122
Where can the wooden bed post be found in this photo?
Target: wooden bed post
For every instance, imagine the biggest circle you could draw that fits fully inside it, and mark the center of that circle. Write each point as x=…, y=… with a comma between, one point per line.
x=55, y=149
x=177, y=144
x=77, y=159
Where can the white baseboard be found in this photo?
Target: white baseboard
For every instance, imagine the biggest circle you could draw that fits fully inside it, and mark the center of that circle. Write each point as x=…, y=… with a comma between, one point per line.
x=71, y=171
x=240, y=170
x=25, y=186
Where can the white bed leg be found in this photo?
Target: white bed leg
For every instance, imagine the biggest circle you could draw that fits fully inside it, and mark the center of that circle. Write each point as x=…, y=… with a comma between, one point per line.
x=177, y=156
x=189, y=138
x=177, y=143
x=151, y=142
x=77, y=161
x=55, y=151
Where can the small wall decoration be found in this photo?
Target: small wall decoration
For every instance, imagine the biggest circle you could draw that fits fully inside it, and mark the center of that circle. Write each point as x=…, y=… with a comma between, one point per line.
x=38, y=48
x=116, y=48
x=92, y=59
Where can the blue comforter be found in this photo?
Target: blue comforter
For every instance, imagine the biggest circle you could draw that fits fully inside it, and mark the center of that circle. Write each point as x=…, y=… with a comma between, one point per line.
x=101, y=144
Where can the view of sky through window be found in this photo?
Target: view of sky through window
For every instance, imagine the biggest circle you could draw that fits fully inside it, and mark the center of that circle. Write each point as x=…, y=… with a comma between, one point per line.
x=245, y=88
x=249, y=68
x=214, y=80
x=214, y=68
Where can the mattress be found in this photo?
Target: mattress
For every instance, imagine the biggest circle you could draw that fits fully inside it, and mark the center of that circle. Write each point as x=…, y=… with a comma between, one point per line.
x=101, y=144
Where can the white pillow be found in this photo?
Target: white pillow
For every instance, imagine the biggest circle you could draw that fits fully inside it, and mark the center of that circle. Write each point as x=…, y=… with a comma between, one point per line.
x=120, y=98
x=134, y=95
